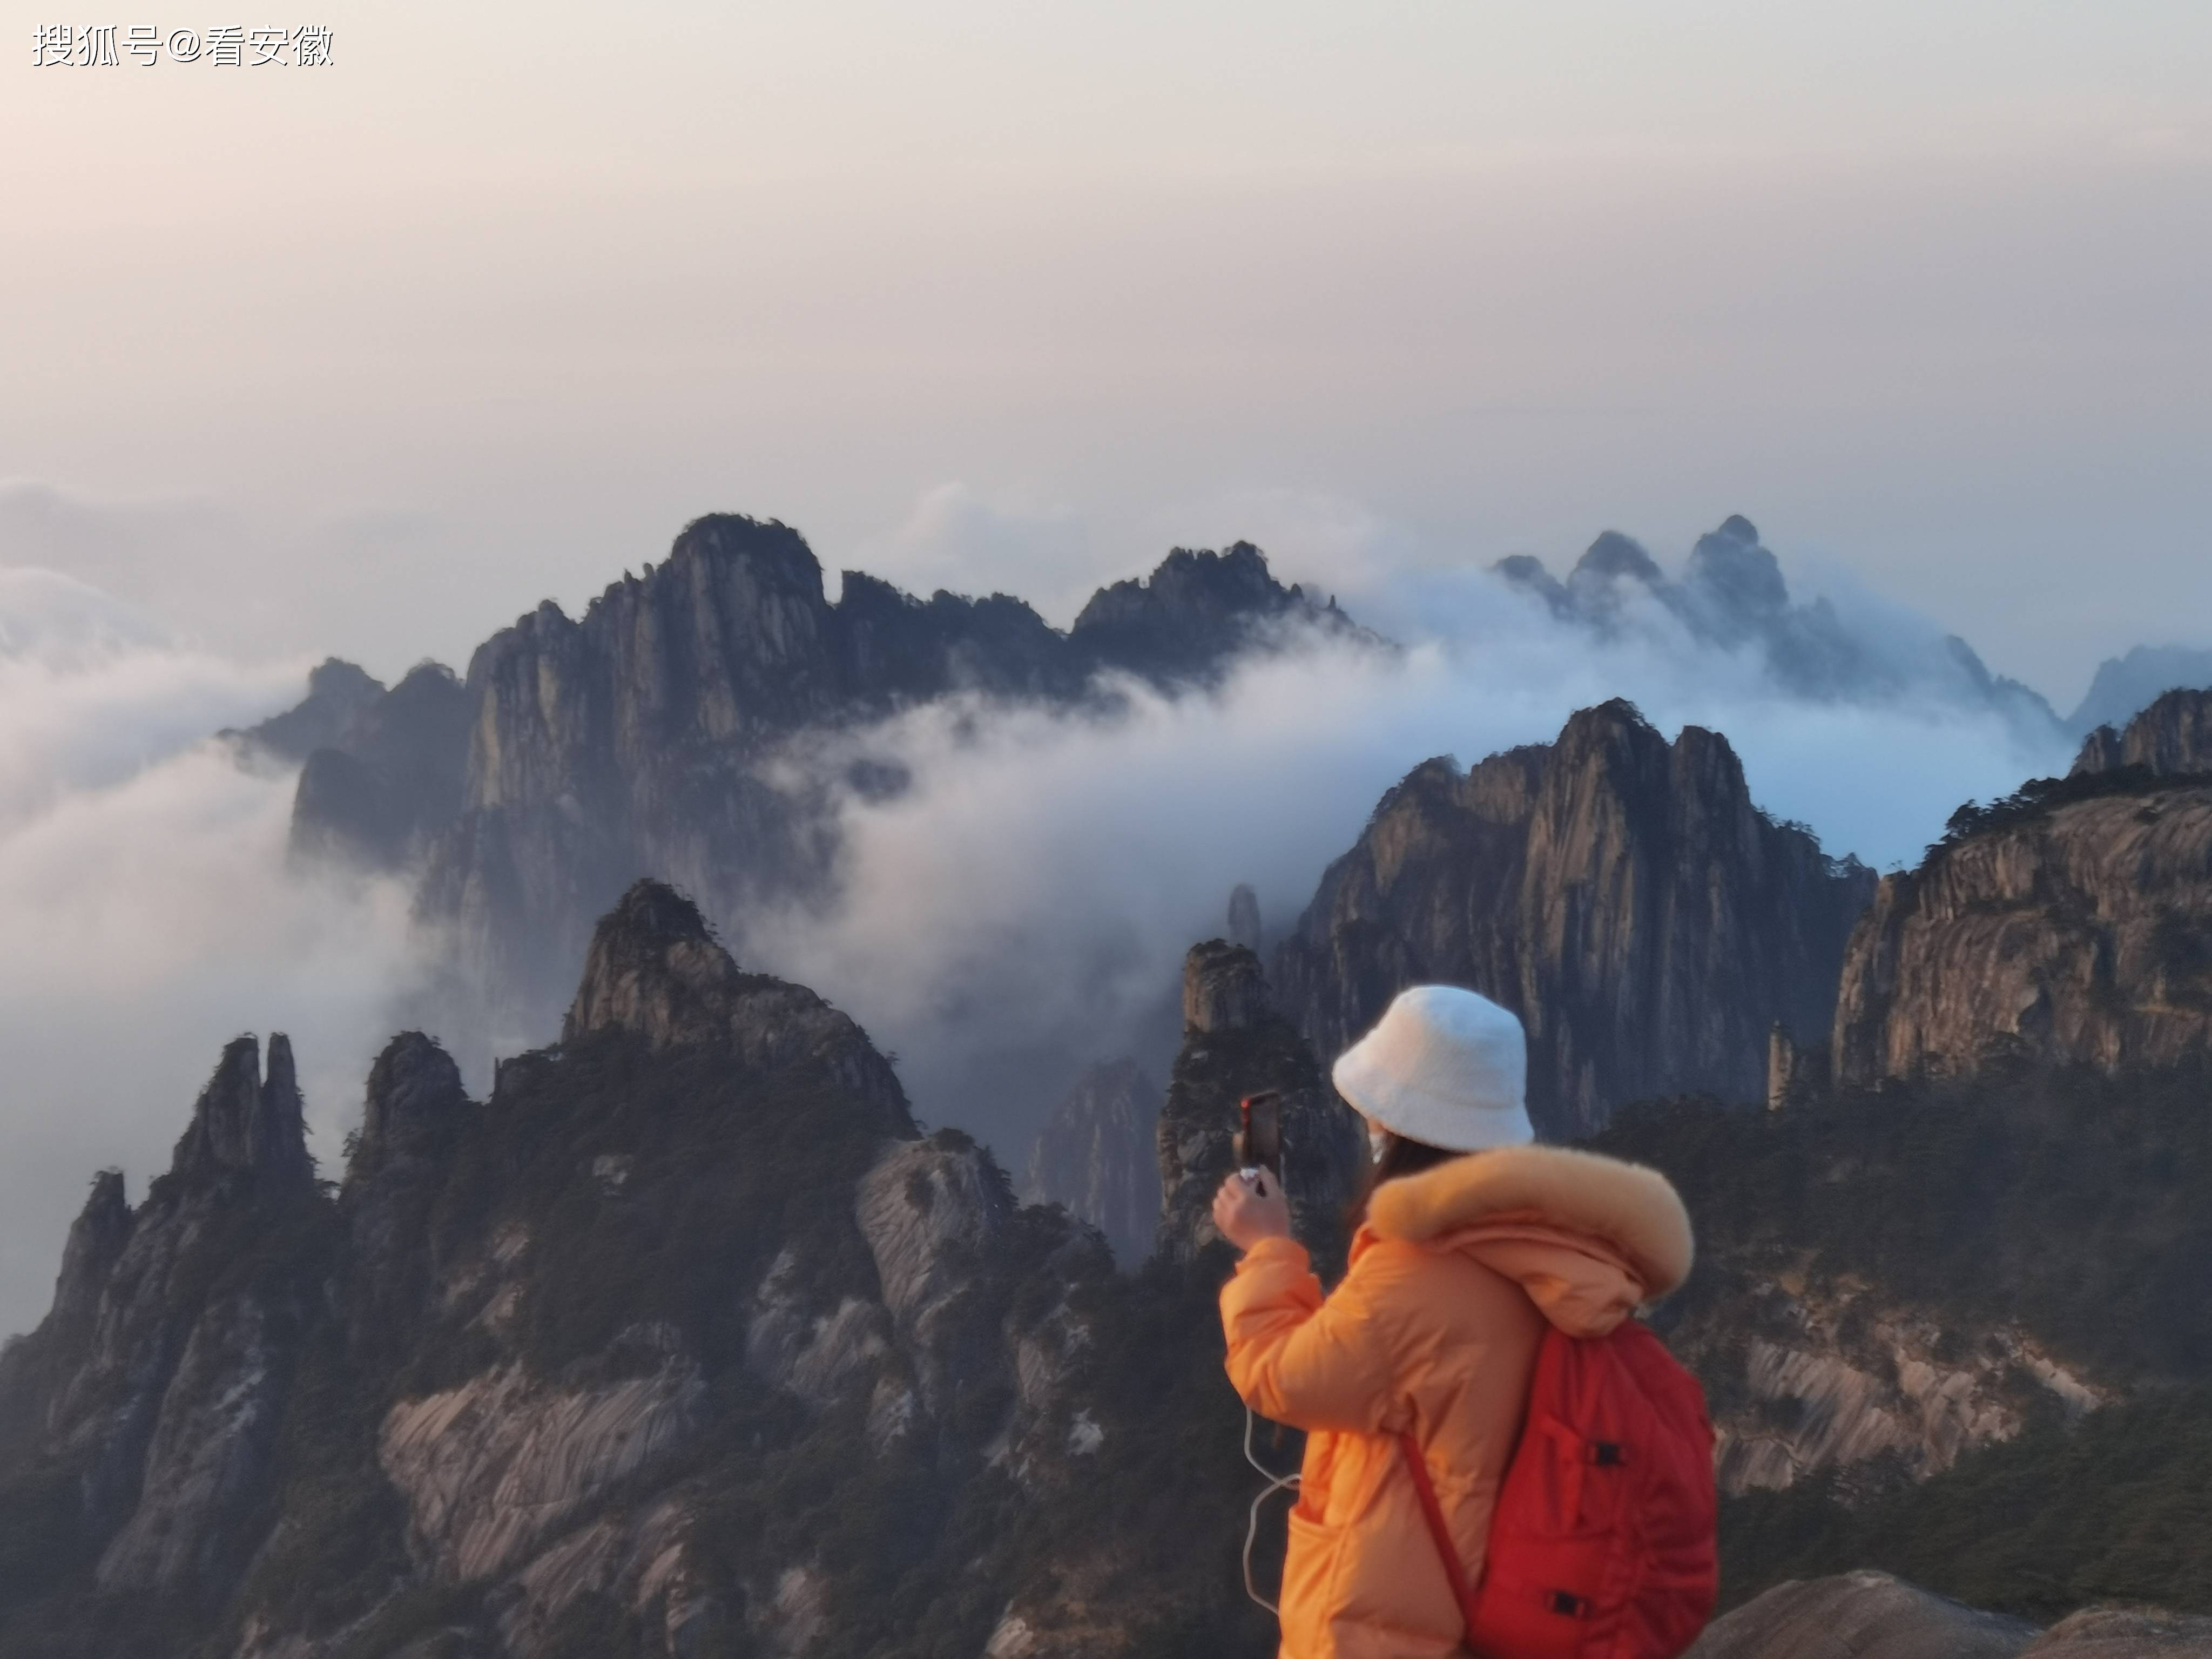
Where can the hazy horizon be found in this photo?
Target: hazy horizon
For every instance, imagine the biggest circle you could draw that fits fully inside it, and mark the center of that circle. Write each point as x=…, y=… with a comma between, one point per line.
x=366, y=359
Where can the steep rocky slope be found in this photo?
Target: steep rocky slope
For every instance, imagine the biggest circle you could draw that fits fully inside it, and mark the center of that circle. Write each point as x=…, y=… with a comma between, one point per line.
x=144, y=1417
x=1237, y=1044
x=336, y=691
x=1952, y=1307
x=389, y=781
x=684, y=1342
x=1095, y=1155
x=2169, y=738
x=1622, y=895
x=2068, y=921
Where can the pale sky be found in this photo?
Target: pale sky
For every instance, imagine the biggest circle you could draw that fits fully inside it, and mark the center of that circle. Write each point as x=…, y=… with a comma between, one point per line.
x=369, y=358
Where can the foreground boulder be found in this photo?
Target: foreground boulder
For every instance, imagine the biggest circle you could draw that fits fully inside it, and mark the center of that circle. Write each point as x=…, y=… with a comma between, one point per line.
x=1867, y=1615
x=1872, y=1615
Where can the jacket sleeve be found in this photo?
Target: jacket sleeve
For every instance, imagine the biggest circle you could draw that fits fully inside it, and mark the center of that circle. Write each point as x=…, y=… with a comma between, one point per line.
x=1299, y=1359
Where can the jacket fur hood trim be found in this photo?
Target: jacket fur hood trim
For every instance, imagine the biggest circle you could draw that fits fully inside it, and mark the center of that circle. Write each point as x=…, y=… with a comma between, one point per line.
x=1631, y=1209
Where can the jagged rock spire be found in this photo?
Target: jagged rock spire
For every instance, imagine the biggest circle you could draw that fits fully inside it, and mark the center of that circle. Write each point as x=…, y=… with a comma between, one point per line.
x=414, y=1091
x=1235, y=1042
x=97, y=1239
x=1223, y=988
x=242, y=1122
x=654, y=968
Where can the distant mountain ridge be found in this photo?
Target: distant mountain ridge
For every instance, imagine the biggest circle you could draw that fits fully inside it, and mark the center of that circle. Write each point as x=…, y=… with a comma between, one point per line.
x=1732, y=595
x=2125, y=686
x=578, y=755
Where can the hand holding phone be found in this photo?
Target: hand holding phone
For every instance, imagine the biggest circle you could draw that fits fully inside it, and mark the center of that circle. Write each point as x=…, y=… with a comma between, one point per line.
x=1260, y=1135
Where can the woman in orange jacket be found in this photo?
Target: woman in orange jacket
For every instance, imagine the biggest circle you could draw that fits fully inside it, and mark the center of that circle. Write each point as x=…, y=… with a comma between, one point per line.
x=1471, y=1238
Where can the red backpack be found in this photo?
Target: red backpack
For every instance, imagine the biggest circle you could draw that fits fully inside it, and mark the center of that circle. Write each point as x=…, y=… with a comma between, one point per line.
x=1602, y=1544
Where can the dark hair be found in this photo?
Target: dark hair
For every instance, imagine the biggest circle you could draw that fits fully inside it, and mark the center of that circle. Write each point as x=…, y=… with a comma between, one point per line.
x=1401, y=1157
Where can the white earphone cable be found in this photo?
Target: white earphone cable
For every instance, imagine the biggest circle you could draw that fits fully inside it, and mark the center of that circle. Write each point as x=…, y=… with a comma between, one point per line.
x=1275, y=1483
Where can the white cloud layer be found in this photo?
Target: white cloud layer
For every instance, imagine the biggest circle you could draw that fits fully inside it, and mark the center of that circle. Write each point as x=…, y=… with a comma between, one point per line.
x=148, y=914
x=1025, y=905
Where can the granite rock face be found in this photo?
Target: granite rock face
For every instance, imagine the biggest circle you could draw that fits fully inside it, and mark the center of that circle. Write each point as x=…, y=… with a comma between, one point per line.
x=2171, y=738
x=1809, y=1375
x=2070, y=929
x=1622, y=895
x=545, y=1374
x=1096, y=1154
x=1235, y=1042
x=582, y=754
x=152, y=1393
x=655, y=970
x=379, y=792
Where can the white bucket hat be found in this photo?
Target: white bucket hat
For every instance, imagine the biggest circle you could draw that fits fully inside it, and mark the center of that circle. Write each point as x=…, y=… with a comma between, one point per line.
x=1444, y=1067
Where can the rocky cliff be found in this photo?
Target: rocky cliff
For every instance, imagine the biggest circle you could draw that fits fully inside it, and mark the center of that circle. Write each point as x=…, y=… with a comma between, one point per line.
x=144, y=1414
x=336, y=691
x=379, y=791
x=1814, y=1376
x=1095, y=1155
x=2169, y=738
x=1235, y=1042
x=2067, y=922
x=580, y=753
x=684, y=1342
x=1621, y=894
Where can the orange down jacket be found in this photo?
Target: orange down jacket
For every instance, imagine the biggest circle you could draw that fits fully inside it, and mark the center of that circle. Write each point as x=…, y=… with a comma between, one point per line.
x=1434, y=1329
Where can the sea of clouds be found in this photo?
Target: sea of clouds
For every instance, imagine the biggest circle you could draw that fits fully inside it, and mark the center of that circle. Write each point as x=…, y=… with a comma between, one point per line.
x=147, y=914
x=1023, y=907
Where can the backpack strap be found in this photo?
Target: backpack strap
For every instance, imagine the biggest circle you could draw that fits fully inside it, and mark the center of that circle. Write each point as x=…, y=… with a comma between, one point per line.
x=1433, y=1512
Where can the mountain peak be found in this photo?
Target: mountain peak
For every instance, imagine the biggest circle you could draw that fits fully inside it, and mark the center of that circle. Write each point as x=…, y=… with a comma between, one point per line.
x=771, y=551
x=413, y=1090
x=1185, y=620
x=1613, y=555
x=656, y=970
x=241, y=1121
x=2172, y=738
x=336, y=691
x=654, y=967
x=1223, y=987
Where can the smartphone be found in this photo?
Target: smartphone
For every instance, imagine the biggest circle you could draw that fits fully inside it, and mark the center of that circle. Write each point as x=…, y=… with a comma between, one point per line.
x=1260, y=1132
